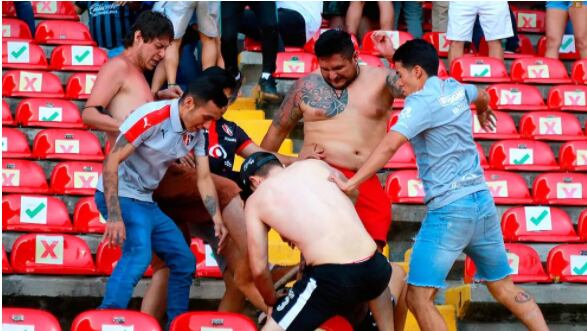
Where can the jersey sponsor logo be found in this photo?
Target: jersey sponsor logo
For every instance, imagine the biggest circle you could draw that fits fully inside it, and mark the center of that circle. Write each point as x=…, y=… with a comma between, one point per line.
x=227, y=129
x=217, y=151
x=232, y=140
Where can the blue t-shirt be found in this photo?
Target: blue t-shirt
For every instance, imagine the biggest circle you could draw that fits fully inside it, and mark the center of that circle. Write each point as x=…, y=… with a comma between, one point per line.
x=438, y=122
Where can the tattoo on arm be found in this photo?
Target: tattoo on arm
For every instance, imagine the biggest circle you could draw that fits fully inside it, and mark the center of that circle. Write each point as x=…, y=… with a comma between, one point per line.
x=391, y=82
x=110, y=179
x=289, y=113
x=210, y=203
x=522, y=297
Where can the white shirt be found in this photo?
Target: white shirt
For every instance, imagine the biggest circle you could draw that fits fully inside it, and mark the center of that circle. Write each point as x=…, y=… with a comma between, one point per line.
x=311, y=11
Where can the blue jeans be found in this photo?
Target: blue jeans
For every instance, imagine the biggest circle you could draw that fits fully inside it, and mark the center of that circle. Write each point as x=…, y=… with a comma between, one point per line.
x=469, y=224
x=148, y=228
x=413, y=12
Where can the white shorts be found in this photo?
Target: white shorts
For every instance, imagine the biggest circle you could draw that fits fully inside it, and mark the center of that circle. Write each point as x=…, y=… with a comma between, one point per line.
x=494, y=17
x=180, y=13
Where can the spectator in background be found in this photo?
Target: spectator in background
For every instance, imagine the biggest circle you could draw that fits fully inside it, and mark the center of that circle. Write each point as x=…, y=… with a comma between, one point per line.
x=334, y=11
x=233, y=22
x=355, y=13
x=24, y=11
x=511, y=44
x=298, y=21
x=439, y=16
x=412, y=13
x=495, y=21
x=556, y=21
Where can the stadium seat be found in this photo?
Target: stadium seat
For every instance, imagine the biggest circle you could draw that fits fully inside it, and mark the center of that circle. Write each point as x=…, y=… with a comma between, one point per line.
x=573, y=156
x=25, y=319
x=539, y=70
x=114, y=320
x=206, y=264
x=524, y=262
x=212, y=320
x=530, y=20
x=505, y=128
x=6, y=268
x=240, y=115
x=561, y=189
x=404, y=186
x=49, y=113
x=15, y=144
x=77, y=58
x=15, y=29
x=107, y=257
x=525, y=48
x=23, y=55
x=336, y=323
x=403, y=158
x=79, y=86
x=370, y=60
x=507, y=188
x=51, y=254
x=442, y=73
x=279, y=252
x=567, y=50
x=252, y=45
x=295, y=64
x=397, y=38
x=482, y=157
x=439, y=41
x=8, y=9
x=522, y=155
x=582, y=226
x=552, y=125
x=518, y=97
x=479, y=69
x=22, y=176
x=55, y=10
x=67, y=144
x=579, y=72
x=537, y=224
x=38, y=84
x=568, y=263
x=59, y=32
x=309, y=46
x=7, y=119
x=568, y=98
x=75, y=178
x=28, y=213
x=87, y=218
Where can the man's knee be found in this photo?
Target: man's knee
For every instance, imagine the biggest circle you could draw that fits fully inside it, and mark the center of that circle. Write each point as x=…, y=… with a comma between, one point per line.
x=420, y=297
x=183, y=262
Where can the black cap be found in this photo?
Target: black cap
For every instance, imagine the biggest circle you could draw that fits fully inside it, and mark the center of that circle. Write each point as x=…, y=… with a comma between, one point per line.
x=251, y=165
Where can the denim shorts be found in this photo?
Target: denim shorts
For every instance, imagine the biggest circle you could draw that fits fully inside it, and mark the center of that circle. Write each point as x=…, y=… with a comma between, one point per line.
x=560, y=5
x=469, y=224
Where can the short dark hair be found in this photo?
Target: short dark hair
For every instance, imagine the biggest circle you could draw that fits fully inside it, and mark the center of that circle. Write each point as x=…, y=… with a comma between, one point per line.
x=221, y=76
x=334, y=42
x=418, y=52
x=206, y=88
x=152, y=25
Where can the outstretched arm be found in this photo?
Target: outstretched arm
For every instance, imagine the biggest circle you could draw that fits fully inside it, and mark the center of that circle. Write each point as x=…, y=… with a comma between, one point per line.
x=210, y=198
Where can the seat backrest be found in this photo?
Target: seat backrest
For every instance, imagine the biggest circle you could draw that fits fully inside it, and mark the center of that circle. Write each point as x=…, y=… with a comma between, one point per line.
x=518, y=97
x=404, y=158
x=203, y=320
x=25, y=318
x=551, y=125
x=579, y=72
x=8, y=9
x=21, y=83
x=60, y=32
x=55, y=10
x=77, y=58
x=397, y=38
x=309, y=46
x=6, y=268
x=539, y=70
x=537, y=224
x=520, y=154
x=295, y=64
x=336, y=323
x=582, y=225
x=206, y=265
x=77, y=178
x=22, y=176
x=34, y=213
x=439, y=41
x=480, y=69
x=87, y=218
x=15, y=29
x=505, y=127
x=14, y=144
x=22, y=54
x=561, y=189
x=80, y=85
x=525, y=48
x=107, y=257
x=67, y=144
x=52, y=254
x=568, y=98
x=114, y=319
x=530, y=20
x=7, y=119
x=46, y=112
x=568, y=263
x=573, y=156
x=404, y=186
x=482, y=157
x=507, y=187
x=370, y=60
x=566, y=51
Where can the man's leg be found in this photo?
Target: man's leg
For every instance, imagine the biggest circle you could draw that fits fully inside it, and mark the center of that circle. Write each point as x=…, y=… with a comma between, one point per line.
x=208, y=13
x=461, y=19
x=578, y=15
x=556, y=20
x=495, y=49
x=496, y=22
x=399, y=290
x=266, y=14
x=421, y=303
x=231, y=13
x=233, y=299
x=155, y=300
x=382, y=310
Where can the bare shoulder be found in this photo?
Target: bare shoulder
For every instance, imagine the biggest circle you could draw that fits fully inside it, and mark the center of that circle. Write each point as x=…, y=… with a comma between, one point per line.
x=116, y=66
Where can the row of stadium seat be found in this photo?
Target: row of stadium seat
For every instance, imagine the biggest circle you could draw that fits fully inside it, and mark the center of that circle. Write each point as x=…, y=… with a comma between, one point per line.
x=523, y=97
x=565, y=263
x=49, y=10
x=43, y=84
x=51, y=32
x=27, y=55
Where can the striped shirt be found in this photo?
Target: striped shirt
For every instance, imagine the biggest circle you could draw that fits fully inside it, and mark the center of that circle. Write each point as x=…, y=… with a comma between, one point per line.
x=109, y=22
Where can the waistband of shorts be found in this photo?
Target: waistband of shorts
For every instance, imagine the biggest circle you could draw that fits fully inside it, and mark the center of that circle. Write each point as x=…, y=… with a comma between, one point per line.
x=355, y=263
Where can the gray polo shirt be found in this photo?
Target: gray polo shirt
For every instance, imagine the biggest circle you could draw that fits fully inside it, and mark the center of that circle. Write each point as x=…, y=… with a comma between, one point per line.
x=155, y=130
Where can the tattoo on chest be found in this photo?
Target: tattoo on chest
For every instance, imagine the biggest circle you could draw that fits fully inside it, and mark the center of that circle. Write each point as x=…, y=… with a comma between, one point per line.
x=325, y=98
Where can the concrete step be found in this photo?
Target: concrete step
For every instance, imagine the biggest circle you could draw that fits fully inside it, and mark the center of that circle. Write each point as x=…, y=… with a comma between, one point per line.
x=515, y=326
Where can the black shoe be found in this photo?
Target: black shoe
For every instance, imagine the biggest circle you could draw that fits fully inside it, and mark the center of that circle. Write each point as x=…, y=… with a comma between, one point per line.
x=268, y=88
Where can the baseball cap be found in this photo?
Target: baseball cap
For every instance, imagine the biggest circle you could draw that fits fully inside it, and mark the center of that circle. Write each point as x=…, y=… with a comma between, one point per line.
x=250, y=166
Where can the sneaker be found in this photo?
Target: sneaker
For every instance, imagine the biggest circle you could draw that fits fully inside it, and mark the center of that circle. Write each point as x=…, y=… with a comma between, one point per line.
x=268, y=88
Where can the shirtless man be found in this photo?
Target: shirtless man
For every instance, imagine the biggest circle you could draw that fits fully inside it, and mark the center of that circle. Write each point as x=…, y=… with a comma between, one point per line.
x=343, y=267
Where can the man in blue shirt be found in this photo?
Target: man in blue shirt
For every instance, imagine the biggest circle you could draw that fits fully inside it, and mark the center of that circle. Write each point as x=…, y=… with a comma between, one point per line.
x=461, y=215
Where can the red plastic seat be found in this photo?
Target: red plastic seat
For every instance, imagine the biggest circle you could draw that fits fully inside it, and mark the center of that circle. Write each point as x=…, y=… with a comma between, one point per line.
x=525, y=48
x=55, y=10
x=14, y=144
x=442, y=73
x=27, y=213
x=75, y=178
x=479, y=69
x=370, y=60
x=524, y=262
x=568, y=263
x=51, y=254
x=336, y=323
x=79, y=85
x=537, y=224
x=573, y=156
x=309, y=46
x=107, y=257
x=539, y=70
x=568, y=98
x=404, y=186
x=530, y=20
x=115, y=319
x=20, y=83
x=67, y=144
x=50, y=113
x=8, y=9
x=77, y=58
x=15, y=29
x=397, y=38
x=210, y=320
x=295, y=64
x=206, y=266
x=551, y=126
x=87, y=218
x=517, y=97
x=23, y=55
x=507, y=188
x=28, y=319
x=482, y=158
x=6, y=268
x=561, y=189
x=59, y=32
x=403, y=158
x=7, y=119
x=439, y=41
x=579, y=72
x=505, y=128
x=582, y=226
x=524, y=155
x=567, y=50
x=252, y=45
x=22, y=176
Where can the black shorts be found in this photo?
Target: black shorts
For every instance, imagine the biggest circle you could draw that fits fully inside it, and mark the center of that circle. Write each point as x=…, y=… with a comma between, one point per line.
x=331, y=289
